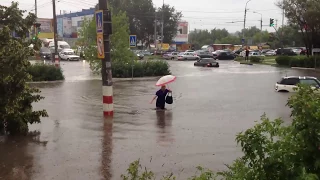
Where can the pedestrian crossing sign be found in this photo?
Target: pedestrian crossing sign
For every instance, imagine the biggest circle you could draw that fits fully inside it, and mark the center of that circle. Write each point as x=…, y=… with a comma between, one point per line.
x=133, y=41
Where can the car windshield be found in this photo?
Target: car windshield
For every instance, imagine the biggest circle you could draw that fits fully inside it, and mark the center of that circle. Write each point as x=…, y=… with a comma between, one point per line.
x=65, y=46
x=69, y=53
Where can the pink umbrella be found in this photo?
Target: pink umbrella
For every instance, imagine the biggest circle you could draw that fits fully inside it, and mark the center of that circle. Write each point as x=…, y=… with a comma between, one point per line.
x=165, y=80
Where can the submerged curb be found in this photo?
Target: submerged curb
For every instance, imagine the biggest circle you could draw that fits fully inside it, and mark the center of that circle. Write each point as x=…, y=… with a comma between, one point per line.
x=113, y=80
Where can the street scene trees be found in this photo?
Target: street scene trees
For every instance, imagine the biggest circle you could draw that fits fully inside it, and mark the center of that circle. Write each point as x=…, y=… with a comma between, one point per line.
x=208, y=86
x=16, y=97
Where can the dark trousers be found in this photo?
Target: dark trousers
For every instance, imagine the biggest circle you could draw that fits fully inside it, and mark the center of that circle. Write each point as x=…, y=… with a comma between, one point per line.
x=246, y=58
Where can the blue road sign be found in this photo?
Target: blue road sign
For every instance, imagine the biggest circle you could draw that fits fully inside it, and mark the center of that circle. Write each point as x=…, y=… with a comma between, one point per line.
x=99, y=21
x=133, y=41
x=242, y=40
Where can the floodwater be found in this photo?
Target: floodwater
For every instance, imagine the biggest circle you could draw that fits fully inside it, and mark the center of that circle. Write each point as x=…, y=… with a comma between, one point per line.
x=210, y=107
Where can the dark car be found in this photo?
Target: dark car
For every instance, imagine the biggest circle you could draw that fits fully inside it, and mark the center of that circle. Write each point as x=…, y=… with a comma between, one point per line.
x=285, y=52
x=204, y=54
x=224, y=55
x=45, y=53
x=207, y=62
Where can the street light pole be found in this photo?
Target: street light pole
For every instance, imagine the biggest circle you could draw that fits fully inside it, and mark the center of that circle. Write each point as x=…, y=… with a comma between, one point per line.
x=260, y=20
x=245, y=17
x=162, y=24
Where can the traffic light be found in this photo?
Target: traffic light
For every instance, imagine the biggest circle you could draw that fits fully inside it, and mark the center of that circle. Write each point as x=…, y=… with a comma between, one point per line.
x=271, y=22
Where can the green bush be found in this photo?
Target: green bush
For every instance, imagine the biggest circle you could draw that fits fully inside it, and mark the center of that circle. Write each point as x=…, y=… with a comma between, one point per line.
x=283, y=60
x=297, y=61
x=43, y=72
x=239, y=58
x=140, y=69
x=256, y=59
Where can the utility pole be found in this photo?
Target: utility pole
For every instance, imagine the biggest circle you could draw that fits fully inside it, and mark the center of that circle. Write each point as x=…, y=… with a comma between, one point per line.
x=155, y=30
x=55, y=33
x=162, y=24
x=276, y=23
x=35, y=8
x=107, y=89
x=245, y=17
x=261, y=24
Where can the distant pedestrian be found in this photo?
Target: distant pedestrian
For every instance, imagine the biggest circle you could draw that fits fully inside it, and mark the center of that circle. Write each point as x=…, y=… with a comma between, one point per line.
x=247, y=55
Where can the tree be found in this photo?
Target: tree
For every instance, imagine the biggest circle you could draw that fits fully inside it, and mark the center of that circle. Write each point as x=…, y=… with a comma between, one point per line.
x=171, y=18
x=16, y=97
x=119, y=42
x=305, y=15
x=275, y=151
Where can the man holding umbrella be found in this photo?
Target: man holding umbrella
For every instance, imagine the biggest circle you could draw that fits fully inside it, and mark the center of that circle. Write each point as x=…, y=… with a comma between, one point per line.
x=163, y=92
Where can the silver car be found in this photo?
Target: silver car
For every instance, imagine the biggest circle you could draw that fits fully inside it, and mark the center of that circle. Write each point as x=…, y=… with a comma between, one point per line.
x=188, y=56
x=170, y=56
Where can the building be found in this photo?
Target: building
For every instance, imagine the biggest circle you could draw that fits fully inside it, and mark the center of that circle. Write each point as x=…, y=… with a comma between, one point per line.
x=68, y=25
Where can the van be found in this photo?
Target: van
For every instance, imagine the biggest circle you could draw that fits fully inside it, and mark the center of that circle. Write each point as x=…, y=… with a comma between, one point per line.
x=61, y=45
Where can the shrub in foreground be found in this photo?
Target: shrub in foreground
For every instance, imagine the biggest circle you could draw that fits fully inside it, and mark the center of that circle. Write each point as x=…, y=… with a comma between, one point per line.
x=272, y=150
x=43, y=72
x=140, y=69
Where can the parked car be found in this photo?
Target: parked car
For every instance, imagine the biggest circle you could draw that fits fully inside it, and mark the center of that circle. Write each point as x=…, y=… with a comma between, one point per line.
x=297, y=51
x=170, y=56
x=147, y=53
x=45, y=53
x=286, y=52
x=69, y=55
x=256, y=54
x=289, y=84
x=140, y=55
x=204, y=54
x=224, y=55
x=271, y=53
x=189, y=51
x=264, y=51
x=188, y=56
x=207, y=62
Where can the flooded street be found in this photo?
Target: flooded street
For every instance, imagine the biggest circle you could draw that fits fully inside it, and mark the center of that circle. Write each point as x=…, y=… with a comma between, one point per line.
x=211, y=105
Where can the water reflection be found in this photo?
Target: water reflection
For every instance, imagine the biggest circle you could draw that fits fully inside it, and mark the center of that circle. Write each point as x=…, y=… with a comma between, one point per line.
x=107, y=149
x=164, y=124
x=16, y=159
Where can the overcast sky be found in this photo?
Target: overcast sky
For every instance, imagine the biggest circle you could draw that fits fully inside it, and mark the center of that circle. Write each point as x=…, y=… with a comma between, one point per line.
x=201, y=14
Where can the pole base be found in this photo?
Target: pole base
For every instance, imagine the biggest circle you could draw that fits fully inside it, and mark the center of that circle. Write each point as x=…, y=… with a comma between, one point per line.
x=107, y=92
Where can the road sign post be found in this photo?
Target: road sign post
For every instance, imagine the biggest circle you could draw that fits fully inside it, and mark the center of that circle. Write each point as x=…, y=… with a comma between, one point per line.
x=104, y=30
x=132, y=44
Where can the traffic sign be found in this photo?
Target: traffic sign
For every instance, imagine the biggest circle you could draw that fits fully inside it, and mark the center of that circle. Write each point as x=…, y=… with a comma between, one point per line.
x=133, y=41
x=99, y=21
x=100, y=46
x=242, y=41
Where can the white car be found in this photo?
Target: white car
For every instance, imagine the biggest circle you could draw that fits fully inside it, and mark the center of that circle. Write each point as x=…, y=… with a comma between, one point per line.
x=188, y=56
x=69, y=55
x=271, y=53
x=254, y=53
x=189, y=51
x=289, y=84
x=297, y=51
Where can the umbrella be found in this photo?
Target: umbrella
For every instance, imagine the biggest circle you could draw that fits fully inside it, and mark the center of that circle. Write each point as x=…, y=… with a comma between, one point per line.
x=165, y=80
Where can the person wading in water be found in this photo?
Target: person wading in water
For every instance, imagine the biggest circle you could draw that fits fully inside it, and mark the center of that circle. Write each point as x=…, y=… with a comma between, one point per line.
x=161, y=97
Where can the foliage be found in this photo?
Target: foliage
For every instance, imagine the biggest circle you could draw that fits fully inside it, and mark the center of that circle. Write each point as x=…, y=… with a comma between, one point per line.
x=142, y=14
x=16, y=97
x=273, y=150
x=43, y=72
x=239, y=58
x=140, y=69
x=298, y=61
x=222, y=36
x=118, y=41
x=256, y=59
x=304, y=15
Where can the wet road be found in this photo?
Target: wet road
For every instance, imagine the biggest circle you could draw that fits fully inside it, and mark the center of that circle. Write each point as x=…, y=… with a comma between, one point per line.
x=210, y=107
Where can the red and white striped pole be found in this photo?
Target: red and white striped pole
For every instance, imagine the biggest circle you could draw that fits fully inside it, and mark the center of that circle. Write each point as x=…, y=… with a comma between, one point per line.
x=104, y=24
x=56, y=61
x=107, y=92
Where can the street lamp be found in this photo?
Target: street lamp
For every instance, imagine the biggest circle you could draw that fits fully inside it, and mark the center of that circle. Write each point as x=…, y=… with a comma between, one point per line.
x=245, y=16
x=260, y=20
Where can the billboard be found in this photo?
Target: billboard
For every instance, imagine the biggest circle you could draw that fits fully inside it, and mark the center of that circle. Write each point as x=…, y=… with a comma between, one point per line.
x=46, y=25
x=182, y=33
